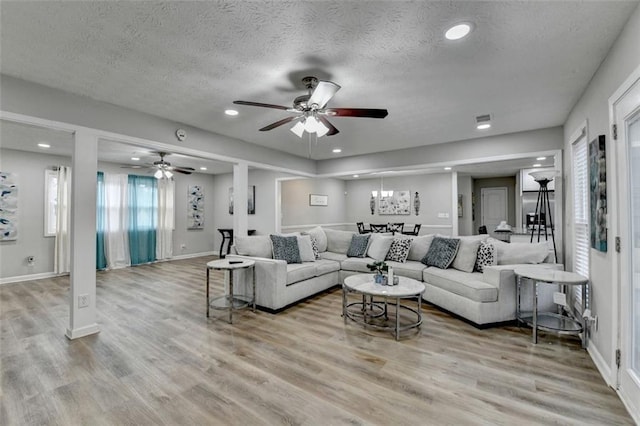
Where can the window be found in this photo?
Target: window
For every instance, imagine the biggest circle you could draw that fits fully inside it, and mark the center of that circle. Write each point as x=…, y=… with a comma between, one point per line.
x=50, y=202
x=580, y=213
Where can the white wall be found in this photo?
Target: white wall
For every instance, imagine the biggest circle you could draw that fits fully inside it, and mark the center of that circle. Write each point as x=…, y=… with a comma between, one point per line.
x=435, y=196
x=465, y=188
x=295, y=202
x=623, y=58
x=29, y=167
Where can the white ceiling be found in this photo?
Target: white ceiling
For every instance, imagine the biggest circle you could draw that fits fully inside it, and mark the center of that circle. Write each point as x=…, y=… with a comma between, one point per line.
x=526, y=62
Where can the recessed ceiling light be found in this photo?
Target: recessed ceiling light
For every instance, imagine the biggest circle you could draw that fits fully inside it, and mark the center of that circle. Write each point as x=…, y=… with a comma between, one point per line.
x=44, y=145
x=483, y=122
x=135, y=159
x=458, y=31
x=355, y=176
x=447, y=168
x=541, y=158
x=231, y=112
x=537, y=165
x=483, y=126
x=203, y=168
x=337, y=151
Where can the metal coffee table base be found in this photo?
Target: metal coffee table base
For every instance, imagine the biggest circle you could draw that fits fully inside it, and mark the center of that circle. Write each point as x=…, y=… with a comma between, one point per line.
x=375, y=314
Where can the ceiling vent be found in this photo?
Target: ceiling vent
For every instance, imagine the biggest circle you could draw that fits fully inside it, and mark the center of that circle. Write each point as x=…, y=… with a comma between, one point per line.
x=483, y=122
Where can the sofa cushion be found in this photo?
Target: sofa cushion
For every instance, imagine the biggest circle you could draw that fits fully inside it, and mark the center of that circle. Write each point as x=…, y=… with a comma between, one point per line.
x=399, y=249
x=357, y=264
x=285, y=248
x=516, y=253
x=306, y=248
x=254, y=245
x=465, y=284
x=329, y=255
x=320, y=236
x=338, y=241
x=297, y=272
x=419, y=247
x=467, y=253
x=442, y=252
x=325, y=266
x=486, y=256
x=358, y=246
x=379, y=246
x=409, y=269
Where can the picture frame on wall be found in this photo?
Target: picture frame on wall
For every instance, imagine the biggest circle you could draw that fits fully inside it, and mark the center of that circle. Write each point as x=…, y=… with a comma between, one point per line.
x=460, y=210
x=251, y=197
x=598, y=193
x=318, y=200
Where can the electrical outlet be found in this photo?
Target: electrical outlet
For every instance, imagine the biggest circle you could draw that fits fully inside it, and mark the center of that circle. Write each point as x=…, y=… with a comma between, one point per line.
x=560, y=298
x=83, y=301
x=443, y=215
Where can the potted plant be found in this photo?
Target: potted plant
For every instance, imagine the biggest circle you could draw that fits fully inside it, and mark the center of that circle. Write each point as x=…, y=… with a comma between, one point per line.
x=380, y=267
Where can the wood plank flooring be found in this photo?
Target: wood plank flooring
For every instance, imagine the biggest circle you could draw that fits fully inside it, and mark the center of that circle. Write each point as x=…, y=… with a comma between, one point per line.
x=158, y=360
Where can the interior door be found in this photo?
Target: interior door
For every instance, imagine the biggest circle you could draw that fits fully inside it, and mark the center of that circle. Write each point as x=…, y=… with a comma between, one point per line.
x=626, y=112
x=494, y=207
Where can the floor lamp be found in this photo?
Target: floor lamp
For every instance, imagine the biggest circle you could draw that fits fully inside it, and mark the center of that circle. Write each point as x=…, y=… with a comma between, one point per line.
x=543, y=207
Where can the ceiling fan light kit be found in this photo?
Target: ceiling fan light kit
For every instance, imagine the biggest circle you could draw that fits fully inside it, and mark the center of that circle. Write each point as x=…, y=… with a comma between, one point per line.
x=311, y=111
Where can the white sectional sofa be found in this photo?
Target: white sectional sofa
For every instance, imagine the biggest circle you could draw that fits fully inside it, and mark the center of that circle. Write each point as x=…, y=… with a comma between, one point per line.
x=482, y=298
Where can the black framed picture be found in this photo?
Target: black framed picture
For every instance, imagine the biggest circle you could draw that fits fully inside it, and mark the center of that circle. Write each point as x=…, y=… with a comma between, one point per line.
x=251, y=197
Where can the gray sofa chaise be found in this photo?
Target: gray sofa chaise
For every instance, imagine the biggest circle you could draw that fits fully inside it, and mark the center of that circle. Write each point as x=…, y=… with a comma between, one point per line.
x=482, y=298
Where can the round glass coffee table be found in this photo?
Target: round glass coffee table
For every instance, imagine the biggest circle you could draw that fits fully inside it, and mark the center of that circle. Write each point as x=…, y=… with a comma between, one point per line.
x=374, y=313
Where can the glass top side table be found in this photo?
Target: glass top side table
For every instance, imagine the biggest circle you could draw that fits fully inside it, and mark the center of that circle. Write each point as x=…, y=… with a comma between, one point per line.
x=231, y=301
x=550, y=321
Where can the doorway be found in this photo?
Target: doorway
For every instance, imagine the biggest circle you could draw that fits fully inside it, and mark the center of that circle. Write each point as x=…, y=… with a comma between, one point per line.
x=493, y=207
x=626, y=115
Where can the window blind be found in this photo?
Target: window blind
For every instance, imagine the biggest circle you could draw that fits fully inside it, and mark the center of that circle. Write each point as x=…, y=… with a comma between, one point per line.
x=580, y=214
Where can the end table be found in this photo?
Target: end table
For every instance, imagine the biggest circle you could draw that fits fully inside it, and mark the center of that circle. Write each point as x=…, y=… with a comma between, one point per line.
x=231, y=301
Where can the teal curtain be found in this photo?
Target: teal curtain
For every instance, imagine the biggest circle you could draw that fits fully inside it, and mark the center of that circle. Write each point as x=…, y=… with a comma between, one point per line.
x=143, y=207
x=101, y=260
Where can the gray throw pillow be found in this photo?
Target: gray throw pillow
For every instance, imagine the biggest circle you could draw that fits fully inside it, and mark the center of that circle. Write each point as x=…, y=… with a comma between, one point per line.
x=442, y=252
x=359, y=244
x=466, y=257
x=285, y=248
x=338, y=241
x=320, y=236
x=399, y=249
x=419, y=247
x=379, y=246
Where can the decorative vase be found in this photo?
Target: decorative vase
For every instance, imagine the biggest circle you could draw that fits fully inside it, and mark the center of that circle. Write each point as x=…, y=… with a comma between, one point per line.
x=372, y=204
x=378, y=278
x=416, y=203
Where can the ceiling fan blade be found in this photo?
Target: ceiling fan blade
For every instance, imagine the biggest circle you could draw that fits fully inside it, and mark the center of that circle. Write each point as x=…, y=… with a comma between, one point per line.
x=258, y=104
x=323, y=92
x=356, y=112
x=332, y=129
x=184, y=172
x=188, y=169
x=133, y=167
x=278, y=123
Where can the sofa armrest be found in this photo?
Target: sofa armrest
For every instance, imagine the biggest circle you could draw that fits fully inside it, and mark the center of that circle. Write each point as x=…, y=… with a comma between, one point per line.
x=271, y=279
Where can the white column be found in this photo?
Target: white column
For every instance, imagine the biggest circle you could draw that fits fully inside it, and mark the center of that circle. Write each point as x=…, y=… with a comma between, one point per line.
x=82, y=320
x=240, y=196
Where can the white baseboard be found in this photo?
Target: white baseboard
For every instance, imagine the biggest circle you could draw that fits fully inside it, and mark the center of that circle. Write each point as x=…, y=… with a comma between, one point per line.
x=601, y=365
x=632, y=409
x=76, y=333
x=30, y=277
x=191, y=255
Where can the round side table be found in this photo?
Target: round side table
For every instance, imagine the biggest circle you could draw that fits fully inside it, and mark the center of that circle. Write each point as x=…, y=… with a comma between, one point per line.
x=550, y=321
x=230, y=301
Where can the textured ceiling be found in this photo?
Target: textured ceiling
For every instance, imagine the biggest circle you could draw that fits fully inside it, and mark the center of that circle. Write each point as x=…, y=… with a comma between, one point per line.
x=526, y=62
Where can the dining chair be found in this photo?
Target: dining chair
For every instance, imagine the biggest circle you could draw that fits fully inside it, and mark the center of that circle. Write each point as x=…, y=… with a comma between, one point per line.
x=379, y=227
x=395, y=227
x=361, y=228
x=415, y=230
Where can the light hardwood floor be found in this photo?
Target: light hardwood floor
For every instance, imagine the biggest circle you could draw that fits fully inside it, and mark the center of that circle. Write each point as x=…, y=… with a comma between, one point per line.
x=158, y=360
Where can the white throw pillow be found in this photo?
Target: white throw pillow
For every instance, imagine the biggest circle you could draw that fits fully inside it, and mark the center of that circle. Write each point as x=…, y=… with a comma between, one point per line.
x=519, y=253
x=467, y=253
x=338, y=241
x=254, y=245
x=320, y=236
x=379, y=246
x=419, y=247
x=305, y=248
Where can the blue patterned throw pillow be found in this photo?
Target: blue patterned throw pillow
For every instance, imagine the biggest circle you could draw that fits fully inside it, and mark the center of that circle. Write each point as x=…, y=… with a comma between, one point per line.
x=358, y=246
x=286, y=248
x=442, y=252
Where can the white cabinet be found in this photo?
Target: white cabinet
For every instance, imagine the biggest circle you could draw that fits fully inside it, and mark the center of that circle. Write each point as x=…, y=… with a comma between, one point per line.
x=529, y=184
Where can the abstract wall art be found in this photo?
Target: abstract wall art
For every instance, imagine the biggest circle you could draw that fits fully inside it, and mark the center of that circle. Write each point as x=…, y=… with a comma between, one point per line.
x=251, y=200
x=394, y=202
x=8, y=206
x=195, y=207
x=598, y=193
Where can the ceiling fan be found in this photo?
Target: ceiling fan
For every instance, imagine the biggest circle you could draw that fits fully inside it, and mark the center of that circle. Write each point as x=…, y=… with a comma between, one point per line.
x=163, y=168
x=311, y=112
